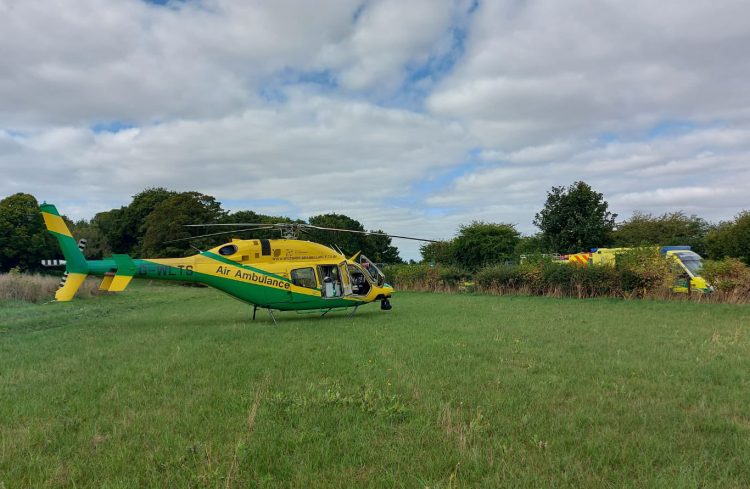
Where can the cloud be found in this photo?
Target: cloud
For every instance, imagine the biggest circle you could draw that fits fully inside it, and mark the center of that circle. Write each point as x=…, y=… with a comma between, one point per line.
x=387, y=36
x=548, y=70
x=321, y=154
x=412, y=117
x=704, y=171
x=143, y=63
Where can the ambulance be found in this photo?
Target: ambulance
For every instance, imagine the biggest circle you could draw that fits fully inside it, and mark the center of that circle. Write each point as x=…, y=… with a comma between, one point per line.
x=687, y=263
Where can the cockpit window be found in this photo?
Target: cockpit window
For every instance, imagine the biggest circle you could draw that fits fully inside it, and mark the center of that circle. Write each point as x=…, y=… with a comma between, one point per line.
x=228, y=250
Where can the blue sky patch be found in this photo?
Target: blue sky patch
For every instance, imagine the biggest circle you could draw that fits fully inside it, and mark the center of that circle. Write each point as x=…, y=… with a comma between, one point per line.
x=421, y=77
x=671, y=128
x=273, y=91
x=15, y=134
x=607, y=138
x=165, y=3
x=111, y=126
x=439, y=181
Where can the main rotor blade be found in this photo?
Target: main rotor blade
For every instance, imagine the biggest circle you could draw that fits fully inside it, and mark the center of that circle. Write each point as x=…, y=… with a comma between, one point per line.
x=301, y=226
x=231, y=224
x=373, y=233
x=217, y=234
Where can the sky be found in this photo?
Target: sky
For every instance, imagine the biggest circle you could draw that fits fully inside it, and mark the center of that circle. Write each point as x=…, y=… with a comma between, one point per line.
x=412, y=117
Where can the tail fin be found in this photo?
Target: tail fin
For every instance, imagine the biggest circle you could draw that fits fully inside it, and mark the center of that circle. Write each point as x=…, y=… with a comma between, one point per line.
x=75, y=263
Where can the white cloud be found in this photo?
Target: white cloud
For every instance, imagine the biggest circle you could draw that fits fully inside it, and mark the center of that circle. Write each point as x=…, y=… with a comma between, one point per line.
x=355, y=156
x=386, y=36
x=84, y=61
x=546, y=70
x=648, y=102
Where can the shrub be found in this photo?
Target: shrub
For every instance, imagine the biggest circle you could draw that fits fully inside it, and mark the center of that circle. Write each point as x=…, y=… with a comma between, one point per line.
x=595, y=281
x=637, y=273
x=727, y=275
x=497, y=276
x=531, y=273
x=557, y=277
x=424, y=277
x=452, y=276
x=643, y=269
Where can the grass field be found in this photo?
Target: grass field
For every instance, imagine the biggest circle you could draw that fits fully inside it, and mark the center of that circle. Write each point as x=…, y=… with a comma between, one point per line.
x=176, y=387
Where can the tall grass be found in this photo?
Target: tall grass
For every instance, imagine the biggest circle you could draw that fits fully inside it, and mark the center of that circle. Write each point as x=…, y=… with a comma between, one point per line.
x=36, y=288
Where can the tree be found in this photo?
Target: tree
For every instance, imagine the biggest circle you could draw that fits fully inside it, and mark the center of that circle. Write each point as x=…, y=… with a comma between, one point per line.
x=731, y=239
x=97, y=246
x=674, y=228
x=24, y=240
x=123, y=227
x=529, y=245
x=440, y=252
x=377, y=248
x=483, y=243
x=167, y=222
x=574, y=219
x=252, y=217
x=380, y=249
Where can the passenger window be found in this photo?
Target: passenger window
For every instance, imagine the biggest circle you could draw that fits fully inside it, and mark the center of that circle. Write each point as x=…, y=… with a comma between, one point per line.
x=304, y=277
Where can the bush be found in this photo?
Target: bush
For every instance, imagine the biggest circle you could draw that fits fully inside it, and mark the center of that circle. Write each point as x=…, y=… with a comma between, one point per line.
x=637, y=273
x=557, y=277
x=643, y=269
x=532, y=272
x=424, y=277
x=596, y=281
x=727, y=275
x=497, y=277
x=452, y=276
x=36, y=288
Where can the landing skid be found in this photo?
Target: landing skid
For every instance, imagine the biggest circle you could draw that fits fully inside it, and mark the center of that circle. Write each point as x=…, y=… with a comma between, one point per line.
x=270, y=313
x=339, y=309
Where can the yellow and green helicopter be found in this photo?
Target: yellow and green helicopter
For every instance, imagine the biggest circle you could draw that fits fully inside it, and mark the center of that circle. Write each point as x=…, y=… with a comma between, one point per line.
x=273, y=274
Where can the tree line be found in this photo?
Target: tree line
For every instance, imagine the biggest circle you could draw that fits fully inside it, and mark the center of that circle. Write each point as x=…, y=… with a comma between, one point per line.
x=150, y=223
x=577, y=218
x=573, y=219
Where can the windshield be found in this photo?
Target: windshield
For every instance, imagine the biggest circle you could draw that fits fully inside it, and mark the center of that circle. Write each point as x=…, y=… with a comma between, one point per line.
x=692, y=261
x=375, y=273
x=693, y=265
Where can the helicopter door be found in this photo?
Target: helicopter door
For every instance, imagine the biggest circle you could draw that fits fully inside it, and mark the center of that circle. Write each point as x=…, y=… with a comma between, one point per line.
x=345, y=279
x=332, y=281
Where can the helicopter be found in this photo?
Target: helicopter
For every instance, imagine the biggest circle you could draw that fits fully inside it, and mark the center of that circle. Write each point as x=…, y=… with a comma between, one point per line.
x=287, y=274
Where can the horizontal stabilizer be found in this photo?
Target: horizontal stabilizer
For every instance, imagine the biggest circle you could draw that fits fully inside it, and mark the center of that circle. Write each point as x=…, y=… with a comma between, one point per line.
x=119, y=283
x=124, y=274
x=106, y=282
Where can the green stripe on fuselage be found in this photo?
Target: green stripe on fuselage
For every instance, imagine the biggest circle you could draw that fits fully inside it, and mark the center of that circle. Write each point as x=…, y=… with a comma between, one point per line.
x=240, y=265
x=257, y=294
